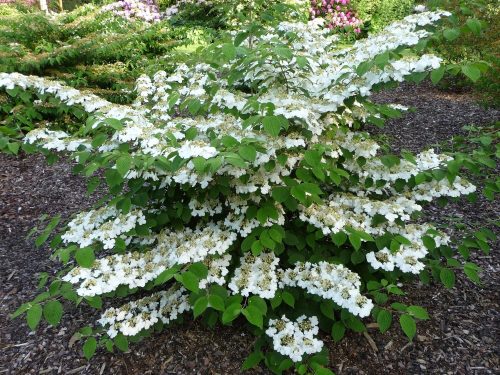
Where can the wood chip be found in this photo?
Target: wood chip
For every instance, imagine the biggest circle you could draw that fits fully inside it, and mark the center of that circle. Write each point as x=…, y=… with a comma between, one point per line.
x=75, y=370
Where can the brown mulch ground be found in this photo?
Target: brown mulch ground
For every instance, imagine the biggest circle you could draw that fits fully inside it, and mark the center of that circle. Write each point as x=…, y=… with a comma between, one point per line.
x=461, y=338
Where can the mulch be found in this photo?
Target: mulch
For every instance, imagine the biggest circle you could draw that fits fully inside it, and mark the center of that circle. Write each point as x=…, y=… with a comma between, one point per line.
x=462, y=336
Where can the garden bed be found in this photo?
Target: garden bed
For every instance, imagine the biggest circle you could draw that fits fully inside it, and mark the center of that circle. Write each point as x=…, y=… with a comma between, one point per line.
x=461, y=336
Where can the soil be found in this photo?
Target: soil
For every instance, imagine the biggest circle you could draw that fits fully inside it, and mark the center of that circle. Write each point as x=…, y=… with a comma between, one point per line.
x=462, y=336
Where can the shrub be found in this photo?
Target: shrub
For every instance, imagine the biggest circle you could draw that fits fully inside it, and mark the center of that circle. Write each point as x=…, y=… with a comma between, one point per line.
x=469, y=45
x=338, y=13
x=244, y=187
x=379, y=13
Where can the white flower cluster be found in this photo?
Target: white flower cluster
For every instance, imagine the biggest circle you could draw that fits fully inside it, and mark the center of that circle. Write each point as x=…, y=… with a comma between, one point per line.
x=57, y=140
x=146, y=11
x=95, y=226
x=329, y=281
x=404, y=170
x=443, y=188
x=217, y=271
x=295, y=339
x=137, y=268
x=135, y=316
x=346, y=210
x=408, y=256
x=256, y=275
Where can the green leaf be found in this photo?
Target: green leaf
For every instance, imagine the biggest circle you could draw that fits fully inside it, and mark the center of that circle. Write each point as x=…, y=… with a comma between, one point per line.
x=52, y=312
x=85, y=257
x=259, y=303
x=429, y=242
x=13, y=147
x=231, y=313
x=121, y=342
x=34, y=315
x=248, y=152
x=200, y=306
x=229, y=51
x=89, y=347
x=252, y=360
x=123, y=164
x=312, y=157
x=189, y=280
x=408, y=325
x=474, y=25
x=280, y=194
x=447, y=277
x=273, y=124
x=471, y=271
x=355, y=240
x=113, y=177
x=338, y=331
x=390, y=160
x=451, y=34
x=418, y=312
x=216, y=302
x=254, y=316
x=384, y=320
x=437, y=75
x=471, y=72
x=339, y=238
x=320, y=370
x=288, y=298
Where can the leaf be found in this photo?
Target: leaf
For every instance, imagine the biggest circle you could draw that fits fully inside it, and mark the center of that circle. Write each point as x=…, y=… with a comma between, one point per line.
x=320, y=370
x=89, y=347
x=52, y=312
x=447, y=277
x=252, y=360
x=33, y=316
x=474, y=25
x=254, y=316
x=429, y=242
x=190, y=281
x=312, y=157
x=85, y=257
x=338, y=331
x=451, y=34
x=471, y=72
x=259, y=303
x=121, y=342
x=123, y=164
x=384, y=320
x=437, y=74
x=231, y=313
x=248, y=152
x=229, y=51
x=355, y=240
x=13, y=147
x=288, y=298
x=339, y=238
x=418, y=312
x=271, y=125
x=216, y=302
x=200, y=306
x=280, y=194
x=408, y=326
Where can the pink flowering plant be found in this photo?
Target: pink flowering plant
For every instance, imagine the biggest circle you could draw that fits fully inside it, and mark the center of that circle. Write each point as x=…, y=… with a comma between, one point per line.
x=339, y=15
x=243, y=188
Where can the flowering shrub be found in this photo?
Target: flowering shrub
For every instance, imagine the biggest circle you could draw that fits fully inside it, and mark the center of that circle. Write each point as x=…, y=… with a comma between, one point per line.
x=245, y=187
x=145, y=10
x=338, y=13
